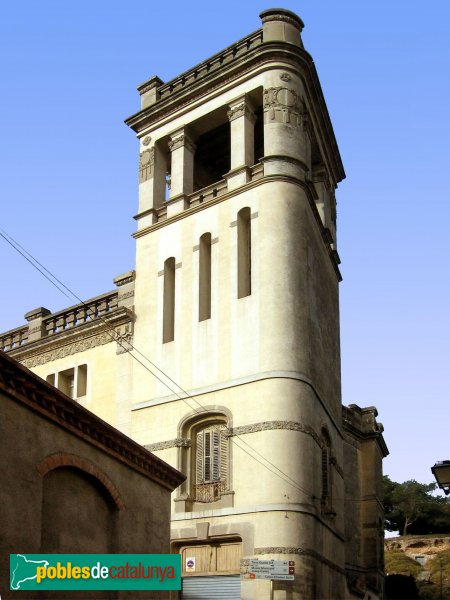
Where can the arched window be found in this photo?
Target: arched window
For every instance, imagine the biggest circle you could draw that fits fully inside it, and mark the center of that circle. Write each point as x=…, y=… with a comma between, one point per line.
x=211, y=462
x=169, y=301
x=204, y=281
x=244, y=253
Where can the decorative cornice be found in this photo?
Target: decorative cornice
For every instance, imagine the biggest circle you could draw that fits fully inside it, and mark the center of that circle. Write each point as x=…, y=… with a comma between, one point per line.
x=308, y=188
x=26, y=388
x=128, y=277
x=81, y=346
x=271, y=425
x=176, y=443
x=197, y=84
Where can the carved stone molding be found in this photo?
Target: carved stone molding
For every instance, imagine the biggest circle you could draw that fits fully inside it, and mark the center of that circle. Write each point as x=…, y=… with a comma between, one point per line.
x=125, y=295
x=181, y=139
x=290, y=425
x=241, y=110
x=270, y=425
x=80, y=346
x=124, y=338
x=176, y=443
x=285, y=77
x=283, y=105
x=146, y=163
x=146, y=141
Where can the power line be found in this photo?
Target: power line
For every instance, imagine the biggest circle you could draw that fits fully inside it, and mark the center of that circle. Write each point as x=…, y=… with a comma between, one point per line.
x=61, y=287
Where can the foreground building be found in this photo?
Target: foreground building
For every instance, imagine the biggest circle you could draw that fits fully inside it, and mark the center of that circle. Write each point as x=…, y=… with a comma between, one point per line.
x=220, y=352
x=71, y=483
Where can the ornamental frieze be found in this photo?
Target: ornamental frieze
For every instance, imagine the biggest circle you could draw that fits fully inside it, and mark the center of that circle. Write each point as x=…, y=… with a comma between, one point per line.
x=146, y=162
x=176, y=443
x=106, y=337
x=283, y=105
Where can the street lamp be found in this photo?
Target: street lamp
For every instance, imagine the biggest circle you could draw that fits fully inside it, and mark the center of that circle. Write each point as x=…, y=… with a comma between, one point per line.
x=441, y=471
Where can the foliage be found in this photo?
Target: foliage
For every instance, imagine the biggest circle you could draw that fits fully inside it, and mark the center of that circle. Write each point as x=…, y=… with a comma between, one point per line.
x=398, y=563
x=411, y=508
x=440, y=563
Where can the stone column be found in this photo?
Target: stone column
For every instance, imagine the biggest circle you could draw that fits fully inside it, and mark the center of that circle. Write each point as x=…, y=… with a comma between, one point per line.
x=242, y=133
x=287, y=140
x=152, y=182
x=182, y=147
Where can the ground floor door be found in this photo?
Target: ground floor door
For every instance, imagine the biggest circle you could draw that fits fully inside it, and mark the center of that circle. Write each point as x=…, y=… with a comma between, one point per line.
x=211, y=588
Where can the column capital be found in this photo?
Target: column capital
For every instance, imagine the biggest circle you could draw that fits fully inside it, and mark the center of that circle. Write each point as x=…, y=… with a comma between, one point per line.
x=182, y=137
x=241, y=107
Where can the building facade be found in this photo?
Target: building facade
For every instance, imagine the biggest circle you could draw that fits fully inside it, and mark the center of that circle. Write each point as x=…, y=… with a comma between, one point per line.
x=220, y=352
x=73, y=484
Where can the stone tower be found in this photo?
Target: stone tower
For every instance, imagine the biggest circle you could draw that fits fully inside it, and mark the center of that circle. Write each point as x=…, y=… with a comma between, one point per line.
x=232, y=316
x=236, y=299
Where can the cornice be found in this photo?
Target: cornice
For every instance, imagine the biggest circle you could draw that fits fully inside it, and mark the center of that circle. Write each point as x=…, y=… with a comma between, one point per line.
x=307, y=187
x=297, y=58
x=26, y=388
x=89, y=335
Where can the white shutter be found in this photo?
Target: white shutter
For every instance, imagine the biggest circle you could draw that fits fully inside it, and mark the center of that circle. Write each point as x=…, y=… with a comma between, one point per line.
x=224, y=456
x=199, y=459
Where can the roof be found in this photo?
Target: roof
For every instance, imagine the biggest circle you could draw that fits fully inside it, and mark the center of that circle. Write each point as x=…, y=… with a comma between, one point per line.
x=24, y=387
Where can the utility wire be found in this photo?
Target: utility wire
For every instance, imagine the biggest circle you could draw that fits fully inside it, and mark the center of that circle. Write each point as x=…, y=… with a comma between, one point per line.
x=61, y=287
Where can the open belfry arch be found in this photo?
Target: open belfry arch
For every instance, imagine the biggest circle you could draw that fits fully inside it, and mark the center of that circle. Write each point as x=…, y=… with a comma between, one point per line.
x=235, y=298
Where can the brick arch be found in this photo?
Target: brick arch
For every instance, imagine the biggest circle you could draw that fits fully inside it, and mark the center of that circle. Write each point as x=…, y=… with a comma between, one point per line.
x=64, y=459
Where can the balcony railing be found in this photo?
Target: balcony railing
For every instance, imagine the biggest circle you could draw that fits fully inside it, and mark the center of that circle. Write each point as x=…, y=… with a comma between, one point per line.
x=209, y=492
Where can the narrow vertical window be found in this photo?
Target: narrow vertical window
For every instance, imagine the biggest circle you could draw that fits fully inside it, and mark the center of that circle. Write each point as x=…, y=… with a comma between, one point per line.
x=244, y=257
x=204, y=282
x=169, y=301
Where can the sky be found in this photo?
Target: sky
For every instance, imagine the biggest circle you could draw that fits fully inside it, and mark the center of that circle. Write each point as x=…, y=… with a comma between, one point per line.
x=68, y=168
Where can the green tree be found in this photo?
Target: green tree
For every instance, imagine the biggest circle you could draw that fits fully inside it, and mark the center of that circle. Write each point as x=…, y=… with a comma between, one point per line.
x=411, y=508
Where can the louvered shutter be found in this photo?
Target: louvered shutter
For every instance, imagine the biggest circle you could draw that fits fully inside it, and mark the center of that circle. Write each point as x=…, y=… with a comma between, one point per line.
x=199, y=459
x=215, y=434
x=223, y=455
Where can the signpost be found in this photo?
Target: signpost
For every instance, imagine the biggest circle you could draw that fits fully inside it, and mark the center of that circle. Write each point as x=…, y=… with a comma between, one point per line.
x=253, y=568
x=278, y=570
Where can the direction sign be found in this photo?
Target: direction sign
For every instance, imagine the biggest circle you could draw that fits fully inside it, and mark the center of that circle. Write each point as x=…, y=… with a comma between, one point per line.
x=267, y=569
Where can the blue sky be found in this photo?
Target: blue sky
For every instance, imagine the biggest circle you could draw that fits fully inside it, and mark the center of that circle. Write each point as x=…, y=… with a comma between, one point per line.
x=69, y=73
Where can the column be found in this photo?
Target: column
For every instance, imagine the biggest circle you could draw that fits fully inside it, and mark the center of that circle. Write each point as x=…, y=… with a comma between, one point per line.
x=182, y=150
x=287, y=136
x=152, y=182
x=242, y=133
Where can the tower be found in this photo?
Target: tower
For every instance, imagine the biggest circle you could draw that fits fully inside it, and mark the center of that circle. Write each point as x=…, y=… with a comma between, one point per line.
x=236, y=298
x=233, y=316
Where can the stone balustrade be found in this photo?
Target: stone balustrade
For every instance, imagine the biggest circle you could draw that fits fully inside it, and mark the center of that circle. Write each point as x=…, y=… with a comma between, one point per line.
x=230, y=54
x=74, y=316
x=218, y=188
x=13, y=339
x=42, y=324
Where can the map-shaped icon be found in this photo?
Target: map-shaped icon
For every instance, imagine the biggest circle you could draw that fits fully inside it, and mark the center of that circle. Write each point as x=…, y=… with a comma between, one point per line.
x=24, y=570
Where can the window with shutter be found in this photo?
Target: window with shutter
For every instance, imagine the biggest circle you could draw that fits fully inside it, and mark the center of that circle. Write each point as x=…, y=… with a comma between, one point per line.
x=211, y=463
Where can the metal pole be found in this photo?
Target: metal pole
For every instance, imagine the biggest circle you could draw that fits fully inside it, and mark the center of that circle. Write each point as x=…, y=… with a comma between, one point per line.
x=271, y=589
